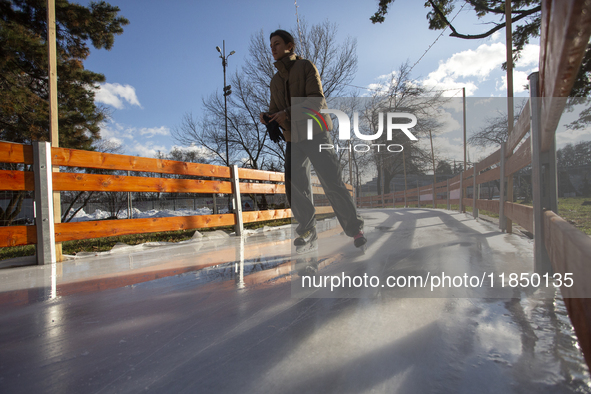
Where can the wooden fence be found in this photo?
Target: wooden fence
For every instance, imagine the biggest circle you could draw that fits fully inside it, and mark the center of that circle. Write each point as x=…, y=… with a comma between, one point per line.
x=558, y=246
x=215, y=179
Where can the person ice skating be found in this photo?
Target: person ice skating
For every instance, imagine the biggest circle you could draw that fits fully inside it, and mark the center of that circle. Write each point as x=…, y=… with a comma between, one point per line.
x=298, y=78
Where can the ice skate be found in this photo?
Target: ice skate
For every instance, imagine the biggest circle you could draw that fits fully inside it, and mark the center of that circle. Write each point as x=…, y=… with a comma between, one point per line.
x=306, y=242
x=360, y=242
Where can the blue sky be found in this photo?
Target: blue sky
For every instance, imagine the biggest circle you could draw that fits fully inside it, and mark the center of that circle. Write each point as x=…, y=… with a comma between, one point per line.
x=166, y=61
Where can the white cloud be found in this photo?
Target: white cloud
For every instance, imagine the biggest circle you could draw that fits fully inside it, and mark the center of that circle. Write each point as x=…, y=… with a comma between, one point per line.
x=152, y=131
x=148, y=149
x=485, y=101
x=496, y=36
x=447, y=123
x=564, y=137
x=383, y=83
x=477, y=64
x=114, y=94
x=519, y=82
x=530, y=56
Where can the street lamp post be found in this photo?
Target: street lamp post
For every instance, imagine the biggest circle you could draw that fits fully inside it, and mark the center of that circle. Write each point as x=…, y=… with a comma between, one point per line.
x=227, y=92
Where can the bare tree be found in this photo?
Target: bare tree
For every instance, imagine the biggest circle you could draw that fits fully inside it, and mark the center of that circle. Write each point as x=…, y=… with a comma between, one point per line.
x=495, y=130
x=402, y=94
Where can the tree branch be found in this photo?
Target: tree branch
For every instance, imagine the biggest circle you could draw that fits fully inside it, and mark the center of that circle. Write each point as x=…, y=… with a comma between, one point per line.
x=455, y=33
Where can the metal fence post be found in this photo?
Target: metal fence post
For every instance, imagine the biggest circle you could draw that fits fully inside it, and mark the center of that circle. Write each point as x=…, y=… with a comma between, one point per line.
x=475, y=194
x=461, y=190
x=418, y=195
x=542, y=262
x=502, y=199
x=239, y=226
x=44, y=219
x=434, y=196
x=447, y=194
x=405, y=204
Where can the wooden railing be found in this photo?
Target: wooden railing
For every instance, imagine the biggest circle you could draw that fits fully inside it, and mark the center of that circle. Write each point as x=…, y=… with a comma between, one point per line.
x=558, y=246
x=219, y=180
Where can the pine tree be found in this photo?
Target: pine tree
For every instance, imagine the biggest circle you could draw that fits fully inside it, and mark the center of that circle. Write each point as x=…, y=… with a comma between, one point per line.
x=24, y=107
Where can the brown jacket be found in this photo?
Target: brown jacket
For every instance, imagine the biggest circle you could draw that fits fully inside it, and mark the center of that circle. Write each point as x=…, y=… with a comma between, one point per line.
x=298, y=78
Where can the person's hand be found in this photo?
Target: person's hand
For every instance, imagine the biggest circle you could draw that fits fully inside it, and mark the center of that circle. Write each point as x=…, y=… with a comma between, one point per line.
x=262, y=118
x=280, y=117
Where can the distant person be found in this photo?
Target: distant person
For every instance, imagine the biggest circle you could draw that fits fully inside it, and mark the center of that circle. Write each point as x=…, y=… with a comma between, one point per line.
x=298, y=77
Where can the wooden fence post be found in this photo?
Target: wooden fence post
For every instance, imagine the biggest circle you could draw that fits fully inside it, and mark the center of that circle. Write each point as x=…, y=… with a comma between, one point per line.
x=434, y=196
x=542, y=262
x=238, y=226
x=44, y=219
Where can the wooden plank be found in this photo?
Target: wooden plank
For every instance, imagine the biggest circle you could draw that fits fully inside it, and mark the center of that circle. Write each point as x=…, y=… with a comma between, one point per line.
x=272, y=176
x=263, y=188
x=521, y=214
x=467, y=202
x=110, y=161
x=488, y=205
x=565, y=31
x=520, y=159
x=317, y=190
x=490, y=175
x=260, y=216
x=17, y=180
x=110, y=228
x=16, y=153
x=490, y=161
x=519, y=131
x=17, y=235
x=441, y=184
x=323, y=210
x=64, y=181
x=569, y=250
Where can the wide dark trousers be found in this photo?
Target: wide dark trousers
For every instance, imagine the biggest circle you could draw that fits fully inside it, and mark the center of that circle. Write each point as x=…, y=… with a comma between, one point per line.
x=298, y=157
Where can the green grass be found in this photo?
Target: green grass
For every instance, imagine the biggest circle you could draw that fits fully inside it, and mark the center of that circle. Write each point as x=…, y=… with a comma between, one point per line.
x=570, y=209
x=574, y=212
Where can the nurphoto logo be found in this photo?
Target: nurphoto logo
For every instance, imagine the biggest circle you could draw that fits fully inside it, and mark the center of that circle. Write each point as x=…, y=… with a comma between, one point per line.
x=345, y=129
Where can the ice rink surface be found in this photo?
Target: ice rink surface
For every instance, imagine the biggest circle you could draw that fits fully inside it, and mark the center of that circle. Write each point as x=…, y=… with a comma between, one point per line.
x=228, y=314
